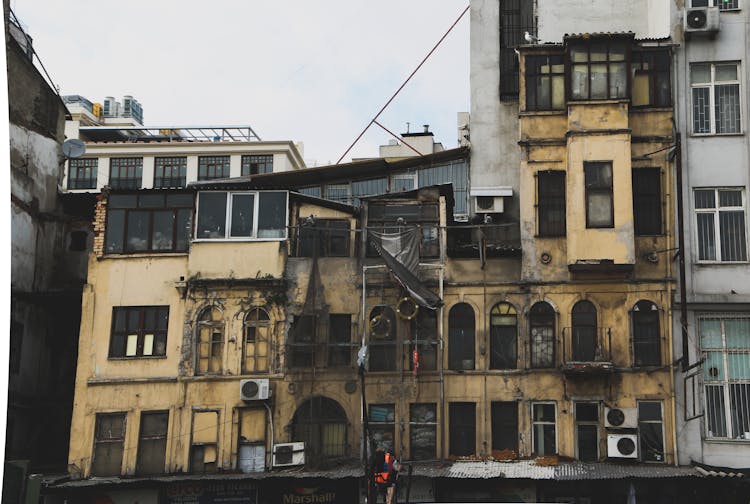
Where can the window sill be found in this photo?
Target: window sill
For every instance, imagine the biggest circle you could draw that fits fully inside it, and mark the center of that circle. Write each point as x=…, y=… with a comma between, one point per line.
x=135, y=255
x=720, y=263
x=650, y=108
x=711, y=135
x=137, y=357
x=236, y=240
x=724, y=441
x=555, y=112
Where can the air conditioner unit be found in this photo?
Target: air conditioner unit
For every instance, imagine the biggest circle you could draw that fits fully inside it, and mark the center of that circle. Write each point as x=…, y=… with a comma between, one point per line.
x=488, y=204
x=288, y=454
x=622, y=446
x=255, y=390
x=702, y=20
x=620, y=418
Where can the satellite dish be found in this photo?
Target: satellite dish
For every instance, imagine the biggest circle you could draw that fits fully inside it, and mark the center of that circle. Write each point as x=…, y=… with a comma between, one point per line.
x=73, y=148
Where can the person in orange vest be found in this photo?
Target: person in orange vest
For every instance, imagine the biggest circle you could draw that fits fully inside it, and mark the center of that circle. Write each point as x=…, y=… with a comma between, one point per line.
x=386, y=469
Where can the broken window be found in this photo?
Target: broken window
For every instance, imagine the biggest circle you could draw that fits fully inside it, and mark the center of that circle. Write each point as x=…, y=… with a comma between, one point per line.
x=423, y=340
x=587, y=431
x=302, y=341
x=461, y=337
x=148, y=223
x=339, y=340
x=322, y=424
x=651, y=431
x=503, y=337
x=329, y=236
x=82, y=173
x=551, y=203
x=251, y=441
x=542, y=328
x=213, y=167
x=255, y=164
x=725, y=345
x=381, y=421
x=651, y=83
x=139, y=331
x=170, y=172
x=584, y=331
x=544, y=428
x=210, y=341
x=422, y=431
x=504, y=426
x=241, y=215
x=545, y=82
x=109, y=439
x=647, y=201
x=256, y=343
x=599, y=70
x=382, y=339
x=204, y=446
x=462, y=418
x=600, y=210
x=393, y=218
x=125, y=173
x=646, y=337
x=152, y=443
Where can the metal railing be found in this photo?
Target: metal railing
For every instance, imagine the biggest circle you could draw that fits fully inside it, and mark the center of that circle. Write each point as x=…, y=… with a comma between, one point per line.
x=586, y=344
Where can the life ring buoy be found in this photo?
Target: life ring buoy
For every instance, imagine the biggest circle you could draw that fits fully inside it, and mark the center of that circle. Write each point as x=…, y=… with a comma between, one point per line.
x=380, y=326
x=406, y=308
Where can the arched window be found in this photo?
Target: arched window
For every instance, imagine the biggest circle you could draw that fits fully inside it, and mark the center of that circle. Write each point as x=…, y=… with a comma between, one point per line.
x=461, y=337
x=382, y=339
x=256, y=341
x=503, y=337
x=542, y=331
x=646, y=334
x=210, y=341
x=321, y=423
x=584, y=332
x=423, y=338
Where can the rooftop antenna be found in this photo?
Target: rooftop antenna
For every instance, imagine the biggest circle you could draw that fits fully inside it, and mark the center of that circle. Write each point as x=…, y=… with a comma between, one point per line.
x=407, y=127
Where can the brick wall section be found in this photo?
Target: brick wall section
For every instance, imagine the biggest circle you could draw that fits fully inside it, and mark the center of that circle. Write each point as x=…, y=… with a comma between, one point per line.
x=100, y=220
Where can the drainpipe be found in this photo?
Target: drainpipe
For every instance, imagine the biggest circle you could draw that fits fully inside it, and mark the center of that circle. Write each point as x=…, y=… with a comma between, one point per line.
x=685, y=359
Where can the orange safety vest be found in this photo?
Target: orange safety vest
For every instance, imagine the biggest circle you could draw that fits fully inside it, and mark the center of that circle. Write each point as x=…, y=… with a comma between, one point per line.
x=382, y=477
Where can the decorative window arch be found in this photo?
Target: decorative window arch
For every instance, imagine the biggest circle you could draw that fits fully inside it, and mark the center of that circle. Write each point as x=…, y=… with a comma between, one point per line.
x=646, y=334
x=503, y=337
x=382, y=339
x=322, y=424
x=461, y=331
x=542, y=335
x=584, y=331
x=256, y=341
x=210, y=344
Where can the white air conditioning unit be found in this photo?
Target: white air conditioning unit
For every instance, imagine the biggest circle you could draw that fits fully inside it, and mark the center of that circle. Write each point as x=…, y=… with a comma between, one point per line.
x=255, y=389
x=488, y=204
x=620, y=418
x=702, y=20
x=622, y=446
x=288, y=454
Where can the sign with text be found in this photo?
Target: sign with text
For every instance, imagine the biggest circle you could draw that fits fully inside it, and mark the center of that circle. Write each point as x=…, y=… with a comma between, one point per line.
x=212, y=492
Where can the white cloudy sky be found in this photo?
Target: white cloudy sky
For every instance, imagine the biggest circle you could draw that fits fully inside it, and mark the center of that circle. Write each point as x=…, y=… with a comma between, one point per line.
x=302, y=70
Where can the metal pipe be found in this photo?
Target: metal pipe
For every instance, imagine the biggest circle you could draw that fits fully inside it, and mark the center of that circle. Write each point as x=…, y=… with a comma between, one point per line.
x=685, y=358
x=270, y=421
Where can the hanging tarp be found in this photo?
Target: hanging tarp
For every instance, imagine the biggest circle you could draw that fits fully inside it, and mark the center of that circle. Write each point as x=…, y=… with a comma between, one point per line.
x=400, y=251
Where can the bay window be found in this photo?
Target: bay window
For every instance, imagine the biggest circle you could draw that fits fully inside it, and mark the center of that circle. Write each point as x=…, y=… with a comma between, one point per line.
x=598, y=69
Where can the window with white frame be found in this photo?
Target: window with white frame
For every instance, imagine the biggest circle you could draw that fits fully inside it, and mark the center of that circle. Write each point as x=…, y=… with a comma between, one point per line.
x=720, y=224
x=226, y=215
x=651, y=431
x=725, y=345
x=716, y=97
x=544, y=428
x=722, y=4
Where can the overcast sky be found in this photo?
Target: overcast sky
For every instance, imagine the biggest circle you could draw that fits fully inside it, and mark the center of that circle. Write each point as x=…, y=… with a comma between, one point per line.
x=309, y=71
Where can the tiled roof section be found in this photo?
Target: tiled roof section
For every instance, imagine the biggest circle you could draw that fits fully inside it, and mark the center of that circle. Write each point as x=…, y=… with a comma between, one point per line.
x=719, y=473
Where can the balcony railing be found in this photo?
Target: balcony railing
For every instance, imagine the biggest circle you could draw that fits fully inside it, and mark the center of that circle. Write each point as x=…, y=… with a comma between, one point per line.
x=587, y=350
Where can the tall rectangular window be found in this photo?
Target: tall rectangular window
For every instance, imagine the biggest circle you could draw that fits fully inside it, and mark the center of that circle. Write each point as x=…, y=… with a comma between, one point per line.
x=650, y=431
x=329, y=237
x=170, y=172
x=152, y=442
x=716, y=97
x=204, y=445
x=462, y=418
x=339, y=340
x=725, y=346
x=382, y=425
x=251, y=445
x=587, y=431
x=544, y=428
x=720, y=224
x=213, y=167
x=255, y=164
x=139, y=331
x=125, y=173
x=505, y=426
x=423, y=431
x=82, y=173
x=651, y=79
x=600, y=210
x=598, y=70
x=551, y=203
x=109, y=441
x=545, y=82
x=516, y=16
x=302, y=341
x=647, y=201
